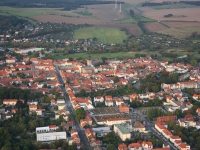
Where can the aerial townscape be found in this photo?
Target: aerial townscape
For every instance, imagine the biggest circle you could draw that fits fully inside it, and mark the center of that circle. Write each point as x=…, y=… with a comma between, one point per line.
x=99, y=75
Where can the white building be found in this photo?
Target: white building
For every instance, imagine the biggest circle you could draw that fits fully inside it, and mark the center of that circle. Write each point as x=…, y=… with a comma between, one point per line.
x=52, y=136
x=50, y=128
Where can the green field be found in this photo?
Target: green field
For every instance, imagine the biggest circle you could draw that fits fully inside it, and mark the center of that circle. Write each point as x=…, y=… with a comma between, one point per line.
x=84, y=13
x=105, y=35
x=24, y=13
x=144, y=19
x=173, y=6
x=107, y=55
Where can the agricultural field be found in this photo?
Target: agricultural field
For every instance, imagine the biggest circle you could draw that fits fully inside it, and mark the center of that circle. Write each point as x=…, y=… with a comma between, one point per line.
x=154, y=26
x=182, y=14
x=105, y=35
x=180, y=32
x=174, y=6
x=132, y=28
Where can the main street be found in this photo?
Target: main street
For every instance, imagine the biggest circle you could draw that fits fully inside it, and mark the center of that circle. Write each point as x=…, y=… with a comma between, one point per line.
x=81, y=133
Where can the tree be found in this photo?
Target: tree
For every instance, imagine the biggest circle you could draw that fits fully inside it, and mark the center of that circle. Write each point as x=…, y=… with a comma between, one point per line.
x=194, y=62
x=116, y=79
x=111, y=147
x=79, y=114
x=36, y=54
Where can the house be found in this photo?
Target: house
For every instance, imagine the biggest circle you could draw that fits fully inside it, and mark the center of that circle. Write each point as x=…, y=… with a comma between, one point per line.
x=95, y=143
x=198, y=111
x=138, y=127
x=53, y=102
x=135, y=146
x=39, y=111
x=147, y=145
x=32, y=108
x=109, y=101
x=61, y=106
x=75, y=136
x=124, y=108
x=90, y=134
x=10, y=60
x=196, y=97
x=122, y=132
x=98, y=99
x=122, y=147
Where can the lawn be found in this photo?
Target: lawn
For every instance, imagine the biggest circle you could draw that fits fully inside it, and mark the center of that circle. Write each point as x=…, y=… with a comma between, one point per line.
x=105, y=35
x=173, y=6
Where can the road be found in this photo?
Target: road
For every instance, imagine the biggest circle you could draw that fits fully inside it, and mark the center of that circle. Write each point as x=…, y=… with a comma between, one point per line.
x=81, y=132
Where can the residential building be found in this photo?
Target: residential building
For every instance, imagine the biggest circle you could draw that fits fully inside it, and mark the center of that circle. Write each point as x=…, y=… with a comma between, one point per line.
x=138, y=127
x=122, y=147
x=147, y=145
x=135, y=146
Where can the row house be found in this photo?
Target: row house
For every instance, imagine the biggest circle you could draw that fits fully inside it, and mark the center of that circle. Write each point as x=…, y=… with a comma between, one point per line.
x=176, y=140
x=11, y=102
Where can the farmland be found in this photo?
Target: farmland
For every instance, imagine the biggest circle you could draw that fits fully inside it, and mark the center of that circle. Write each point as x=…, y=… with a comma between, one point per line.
x=180, y=32
x=185, y=14
x=173, y=6
x=154, y=26
x=105, y=35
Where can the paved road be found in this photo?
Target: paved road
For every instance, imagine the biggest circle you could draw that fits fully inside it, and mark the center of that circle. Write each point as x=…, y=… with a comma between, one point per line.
x=81, y=133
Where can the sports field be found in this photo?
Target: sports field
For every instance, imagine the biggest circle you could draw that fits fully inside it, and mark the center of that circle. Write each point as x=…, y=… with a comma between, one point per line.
x=105, y=35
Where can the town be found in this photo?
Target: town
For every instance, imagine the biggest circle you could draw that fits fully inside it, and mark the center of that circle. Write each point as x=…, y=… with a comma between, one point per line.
x=138, y=103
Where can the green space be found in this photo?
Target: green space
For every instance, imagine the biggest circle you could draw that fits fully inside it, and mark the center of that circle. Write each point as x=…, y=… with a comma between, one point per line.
x=144, y=19
x=127, y=20
x=105, y=35
x=173, y=6
x=84, y=13
x=107, y=55
x=196, y=41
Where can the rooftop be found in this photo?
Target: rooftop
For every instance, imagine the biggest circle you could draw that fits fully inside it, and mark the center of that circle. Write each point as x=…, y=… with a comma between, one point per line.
x=122, y=129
